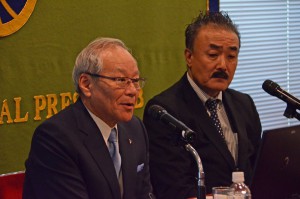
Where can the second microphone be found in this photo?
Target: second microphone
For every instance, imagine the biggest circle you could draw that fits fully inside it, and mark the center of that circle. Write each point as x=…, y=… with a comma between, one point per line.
x=159, y=113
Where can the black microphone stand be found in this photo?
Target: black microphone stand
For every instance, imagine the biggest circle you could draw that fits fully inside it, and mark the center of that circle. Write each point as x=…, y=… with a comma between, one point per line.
x=290, y=112
x=201, y=192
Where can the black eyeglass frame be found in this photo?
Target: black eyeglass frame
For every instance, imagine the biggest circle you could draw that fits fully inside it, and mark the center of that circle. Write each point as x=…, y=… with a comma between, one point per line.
x=141, y=81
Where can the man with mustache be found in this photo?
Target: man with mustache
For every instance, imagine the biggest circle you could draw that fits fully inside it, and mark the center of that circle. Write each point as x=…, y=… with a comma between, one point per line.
x=226, y=122
x=95, y=148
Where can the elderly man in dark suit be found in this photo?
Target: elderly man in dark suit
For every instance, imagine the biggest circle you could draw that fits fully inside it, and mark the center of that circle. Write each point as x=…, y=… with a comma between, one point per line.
x=95, y=148
x=226, y=121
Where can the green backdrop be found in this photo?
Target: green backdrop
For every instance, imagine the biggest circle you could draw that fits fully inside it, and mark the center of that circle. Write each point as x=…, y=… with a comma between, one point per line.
x=36, y=62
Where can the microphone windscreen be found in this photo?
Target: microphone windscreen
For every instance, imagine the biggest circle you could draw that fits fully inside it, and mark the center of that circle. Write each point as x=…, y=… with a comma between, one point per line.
x=156, y=111
x=270, y=87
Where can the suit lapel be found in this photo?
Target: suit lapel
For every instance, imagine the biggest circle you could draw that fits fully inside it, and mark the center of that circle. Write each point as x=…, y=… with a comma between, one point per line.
x=204, y=124
x=237, y=125
x=96, y=146
x=129, y=173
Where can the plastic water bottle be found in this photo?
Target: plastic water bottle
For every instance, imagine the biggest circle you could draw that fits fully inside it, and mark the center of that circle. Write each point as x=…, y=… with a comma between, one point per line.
x=241, y=190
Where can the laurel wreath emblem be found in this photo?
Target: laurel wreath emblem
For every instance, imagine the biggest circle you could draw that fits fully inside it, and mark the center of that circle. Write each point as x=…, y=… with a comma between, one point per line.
x=18, y=19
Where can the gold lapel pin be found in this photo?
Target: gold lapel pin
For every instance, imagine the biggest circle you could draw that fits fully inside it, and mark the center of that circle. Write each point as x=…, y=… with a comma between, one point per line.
x=130, y=141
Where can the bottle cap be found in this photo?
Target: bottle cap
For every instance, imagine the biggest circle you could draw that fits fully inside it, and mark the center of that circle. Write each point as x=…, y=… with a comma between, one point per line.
x=238, y=176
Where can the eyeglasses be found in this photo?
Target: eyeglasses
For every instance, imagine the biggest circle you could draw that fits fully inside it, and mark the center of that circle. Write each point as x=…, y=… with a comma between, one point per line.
x=123, y=82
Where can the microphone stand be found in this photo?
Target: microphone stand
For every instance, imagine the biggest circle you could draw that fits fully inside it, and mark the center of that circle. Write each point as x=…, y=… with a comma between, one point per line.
x=290, y=112
x=201, y=192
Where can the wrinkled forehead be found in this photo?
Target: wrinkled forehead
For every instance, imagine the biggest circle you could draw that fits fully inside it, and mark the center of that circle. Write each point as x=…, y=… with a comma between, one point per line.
x=121, y=67
x=216, y=28
x=217, y=37
x=119, y=61
x=223, y=29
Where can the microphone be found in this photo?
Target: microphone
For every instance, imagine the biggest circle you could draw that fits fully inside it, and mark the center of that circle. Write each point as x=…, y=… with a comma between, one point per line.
x=274, y=89
x=159, y=113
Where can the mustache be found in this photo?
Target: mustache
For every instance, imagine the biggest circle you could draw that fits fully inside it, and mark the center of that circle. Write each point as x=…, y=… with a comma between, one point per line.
x=220, y=74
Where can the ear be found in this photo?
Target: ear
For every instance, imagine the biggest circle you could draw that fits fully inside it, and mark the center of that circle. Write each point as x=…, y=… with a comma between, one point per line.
x=188, y=56
x=85, y=83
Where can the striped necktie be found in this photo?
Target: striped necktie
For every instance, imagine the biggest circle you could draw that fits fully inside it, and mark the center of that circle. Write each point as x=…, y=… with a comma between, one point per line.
x=113, y=148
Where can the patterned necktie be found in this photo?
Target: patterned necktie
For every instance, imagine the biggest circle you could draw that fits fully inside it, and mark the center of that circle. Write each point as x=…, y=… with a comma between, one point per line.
x=113, y=148
x=212, y=107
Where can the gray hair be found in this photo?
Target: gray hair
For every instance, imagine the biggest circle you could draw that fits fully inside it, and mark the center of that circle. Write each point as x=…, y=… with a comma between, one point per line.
x=221, y=19
x=90, y=59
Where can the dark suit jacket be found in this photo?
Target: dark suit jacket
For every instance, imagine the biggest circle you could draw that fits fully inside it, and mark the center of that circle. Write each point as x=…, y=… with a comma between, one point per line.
x=173, y=169
x=69, y=159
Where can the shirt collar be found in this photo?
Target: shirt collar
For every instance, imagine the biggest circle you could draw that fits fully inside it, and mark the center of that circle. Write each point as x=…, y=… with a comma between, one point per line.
x=104, y=128
x=201, y=94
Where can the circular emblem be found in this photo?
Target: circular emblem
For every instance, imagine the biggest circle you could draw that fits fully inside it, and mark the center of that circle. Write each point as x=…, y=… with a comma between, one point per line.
x=14, y=14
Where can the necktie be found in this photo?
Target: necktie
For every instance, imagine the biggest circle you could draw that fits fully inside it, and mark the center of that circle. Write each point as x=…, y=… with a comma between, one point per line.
x=113, y=148
x=212, y=107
